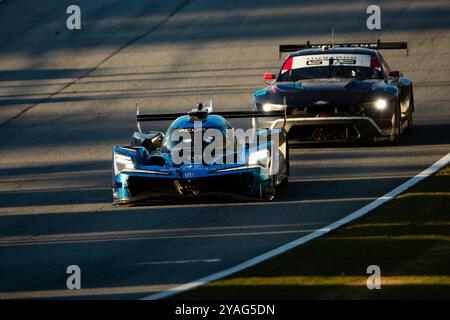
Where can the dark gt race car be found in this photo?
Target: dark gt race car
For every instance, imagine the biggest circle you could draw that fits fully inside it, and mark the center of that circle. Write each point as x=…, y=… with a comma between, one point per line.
x=337, y=92
x=200, y=153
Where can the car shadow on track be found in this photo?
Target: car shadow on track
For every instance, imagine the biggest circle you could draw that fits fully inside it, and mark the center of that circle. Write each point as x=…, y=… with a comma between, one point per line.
x=421, y=134
x=312, y=173
x=294, y=192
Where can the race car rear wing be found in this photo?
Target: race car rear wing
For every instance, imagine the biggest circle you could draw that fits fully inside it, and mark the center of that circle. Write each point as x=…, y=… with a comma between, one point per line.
x=369, y=45
x=225, y=114
x=203, y=111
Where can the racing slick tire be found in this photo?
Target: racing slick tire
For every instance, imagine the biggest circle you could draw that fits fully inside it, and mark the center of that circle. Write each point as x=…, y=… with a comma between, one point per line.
x=410, y=115
x=269, y=193
x=398, y=126
x=288, y=166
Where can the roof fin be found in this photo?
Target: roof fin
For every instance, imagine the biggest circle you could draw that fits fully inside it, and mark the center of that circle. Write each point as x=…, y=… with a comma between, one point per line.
x=332, y=37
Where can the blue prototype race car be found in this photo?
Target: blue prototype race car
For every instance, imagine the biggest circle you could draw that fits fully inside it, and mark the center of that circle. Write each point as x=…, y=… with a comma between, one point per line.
x=163, y=165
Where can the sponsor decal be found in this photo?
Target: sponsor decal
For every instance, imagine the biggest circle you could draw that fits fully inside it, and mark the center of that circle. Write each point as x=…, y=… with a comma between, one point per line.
x=319, y=60
x=210, y=146
x=322, y=102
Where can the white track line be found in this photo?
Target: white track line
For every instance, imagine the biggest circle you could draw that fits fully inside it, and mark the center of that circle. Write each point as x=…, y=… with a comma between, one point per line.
x=272, y=253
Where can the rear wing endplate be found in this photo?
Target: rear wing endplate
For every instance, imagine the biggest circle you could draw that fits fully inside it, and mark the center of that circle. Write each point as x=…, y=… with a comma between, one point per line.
x=379, y=45
x=225, y=114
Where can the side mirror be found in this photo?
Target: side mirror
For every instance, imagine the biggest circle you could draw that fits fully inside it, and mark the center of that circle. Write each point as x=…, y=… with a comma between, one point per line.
x=394, y=74
x=151, y=141
x=268, y=77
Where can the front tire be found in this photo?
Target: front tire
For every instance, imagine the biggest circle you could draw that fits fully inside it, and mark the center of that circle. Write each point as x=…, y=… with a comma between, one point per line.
x=268, y=193
x=398, y=126
x=410, y=115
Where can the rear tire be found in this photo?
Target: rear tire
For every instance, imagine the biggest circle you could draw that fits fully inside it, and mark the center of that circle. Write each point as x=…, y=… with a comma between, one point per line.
x=288, y=164
x=398, y=124
x=269, y=195
x=410, y=117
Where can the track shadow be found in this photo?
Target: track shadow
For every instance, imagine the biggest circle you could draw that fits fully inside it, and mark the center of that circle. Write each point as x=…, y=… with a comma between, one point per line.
x=205, y=20
x=421, y=134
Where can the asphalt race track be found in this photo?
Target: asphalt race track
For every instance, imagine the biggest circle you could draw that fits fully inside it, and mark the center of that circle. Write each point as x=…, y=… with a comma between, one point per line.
x=66, y=97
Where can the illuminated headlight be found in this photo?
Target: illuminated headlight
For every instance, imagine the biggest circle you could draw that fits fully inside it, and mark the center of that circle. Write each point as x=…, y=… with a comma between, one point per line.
x=272, y=107
x=260, y=158
x=122, y=162
x=380, y=104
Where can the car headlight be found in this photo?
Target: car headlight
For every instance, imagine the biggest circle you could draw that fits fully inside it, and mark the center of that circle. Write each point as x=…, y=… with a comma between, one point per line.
x=380, y=104
x=122, y=162
x=272, y=107
x=261, y=158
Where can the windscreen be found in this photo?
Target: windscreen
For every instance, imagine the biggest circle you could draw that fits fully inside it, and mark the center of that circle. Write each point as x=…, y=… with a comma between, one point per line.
x=319, y=66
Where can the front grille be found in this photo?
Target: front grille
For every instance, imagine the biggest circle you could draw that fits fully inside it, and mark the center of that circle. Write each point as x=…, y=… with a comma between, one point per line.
x=322, y=133
x=315, y=110
x=321, y=109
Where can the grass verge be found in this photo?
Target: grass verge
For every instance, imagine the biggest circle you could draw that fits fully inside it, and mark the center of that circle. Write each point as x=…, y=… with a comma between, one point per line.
x=408, y=238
